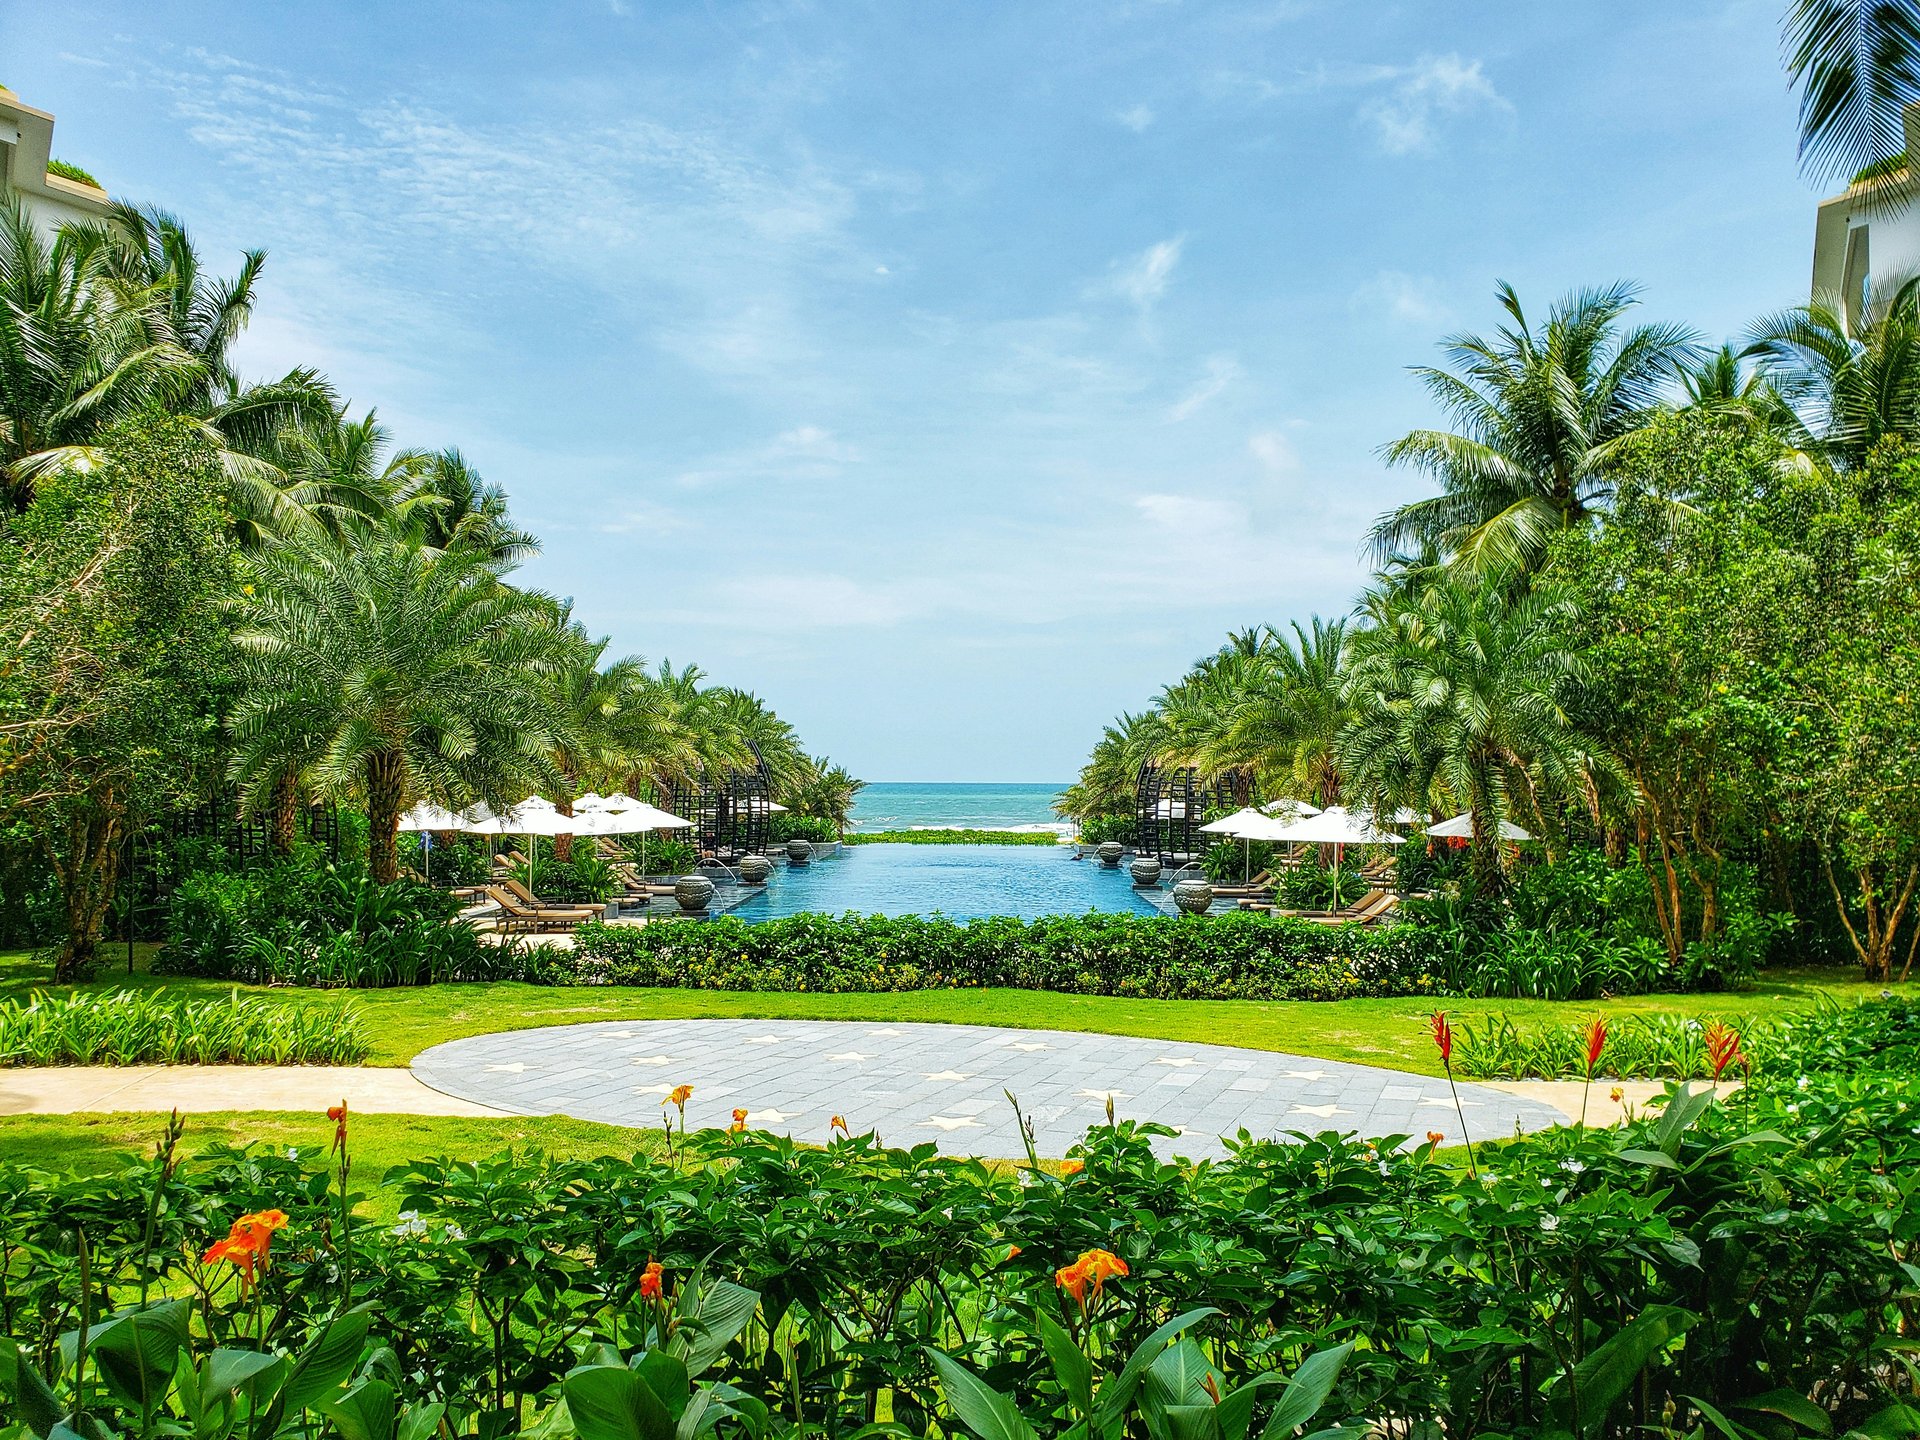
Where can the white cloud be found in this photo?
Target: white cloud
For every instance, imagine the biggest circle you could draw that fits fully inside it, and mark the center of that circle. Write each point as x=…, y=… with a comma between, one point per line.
x=1136, y=118
x=1188, y=514
x=1221, y=371
x=1274, y=451
x=1142, y=280
x=1433, y=86
x=1414, y=299
x=805, y=452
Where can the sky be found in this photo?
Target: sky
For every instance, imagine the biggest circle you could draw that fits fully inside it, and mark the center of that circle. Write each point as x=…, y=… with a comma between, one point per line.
x=950, y=375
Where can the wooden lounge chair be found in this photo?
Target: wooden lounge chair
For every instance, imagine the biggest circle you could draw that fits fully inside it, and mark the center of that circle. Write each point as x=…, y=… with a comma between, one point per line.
x=519, y=914
x=1362, y=914
x=1364, y=905
x=509, y=860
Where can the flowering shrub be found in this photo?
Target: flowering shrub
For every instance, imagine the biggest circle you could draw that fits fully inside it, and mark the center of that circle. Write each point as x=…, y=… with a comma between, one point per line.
x=1240, y=956
x=1753, y=1255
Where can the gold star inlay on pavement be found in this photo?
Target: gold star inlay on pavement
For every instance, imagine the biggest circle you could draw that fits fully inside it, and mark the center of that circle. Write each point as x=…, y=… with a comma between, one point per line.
x=1029, y=1045
x=1325, y=1112
x=951, y=1122
x=514, y=1069
x=653, y=1089
x=1104, y=1094
x=949, y=1074
x=1306, y=1074
x=762, y=1040
x=760, y=1119
x=850, y=1055
x=656, y=1060
x=1176, y=1060
x=1446, y=1100
x=883, y=1032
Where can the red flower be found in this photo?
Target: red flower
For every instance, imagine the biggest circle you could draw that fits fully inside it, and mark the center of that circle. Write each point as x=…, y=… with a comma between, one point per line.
x=1723, y=1048
x=1443, y=1037
x=650, y=1286
x=1596, y=1041
x=338, y=1114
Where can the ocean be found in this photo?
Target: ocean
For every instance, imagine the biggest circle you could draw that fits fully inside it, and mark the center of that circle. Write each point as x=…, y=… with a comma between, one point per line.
x=908, y=805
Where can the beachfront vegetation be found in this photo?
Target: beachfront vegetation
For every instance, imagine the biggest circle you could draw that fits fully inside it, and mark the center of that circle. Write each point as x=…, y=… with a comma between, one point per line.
x=1707, y=1260
x=960, y=836
x=239, y=599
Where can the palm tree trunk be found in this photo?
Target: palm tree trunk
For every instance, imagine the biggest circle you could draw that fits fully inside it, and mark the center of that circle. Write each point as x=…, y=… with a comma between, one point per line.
x=386, y=794
x=286, y=809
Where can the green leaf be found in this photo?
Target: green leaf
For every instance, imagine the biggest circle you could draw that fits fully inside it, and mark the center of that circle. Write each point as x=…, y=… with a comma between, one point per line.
x=328, y=1359
x=1604, y=1376
x=1896, y=1422
x=37, y=1405
x=418, y=1422
x=1236, y=1406
x=981, y=1408
x=1192, y=1422
x=1177, y=1376
x=1721, y=1423
x=1790, y=1405
x=365, y=1412
x=1071, y=1367
x=1656, y=1158
x=666, y=1376
x=610, y=1403
x=1117, y=1393
x=228, y=1370
x=725, y=1310
x=135, y=1351
x=1307, y=1391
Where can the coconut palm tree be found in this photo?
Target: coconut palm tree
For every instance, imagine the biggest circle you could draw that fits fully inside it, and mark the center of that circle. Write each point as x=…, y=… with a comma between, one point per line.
x=387, y=672
x=1108, y=781
x=1856, y=64
x=1459, y=699
x=826, y=794
x=1537, y=414
x=77, y=352
x=1849, y=390
x=449, y=504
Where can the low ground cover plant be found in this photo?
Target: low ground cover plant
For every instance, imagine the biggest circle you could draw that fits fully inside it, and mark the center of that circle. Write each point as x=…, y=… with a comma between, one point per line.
x=1221, y=957
x=1740, y=1267
x=951, y=837
x=130, y=1027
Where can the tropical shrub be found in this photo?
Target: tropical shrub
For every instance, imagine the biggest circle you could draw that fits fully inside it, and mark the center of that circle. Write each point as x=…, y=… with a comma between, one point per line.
x=665, y=857
x=782, y=828
x=1219, y=957
x=150, y=1028
x=1747, y=1260
x=1098, y=829
x=300, y=923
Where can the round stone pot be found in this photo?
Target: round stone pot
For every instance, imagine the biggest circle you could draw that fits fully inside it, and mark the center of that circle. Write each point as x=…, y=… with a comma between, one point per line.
x=693, y=892
x=1110, y=852
x=1146, y=871
x=799, y=852
x=1193, y=896
x=754, y=869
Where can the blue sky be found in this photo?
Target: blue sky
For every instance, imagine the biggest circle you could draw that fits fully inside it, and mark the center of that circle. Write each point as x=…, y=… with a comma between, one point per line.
x=951, y=375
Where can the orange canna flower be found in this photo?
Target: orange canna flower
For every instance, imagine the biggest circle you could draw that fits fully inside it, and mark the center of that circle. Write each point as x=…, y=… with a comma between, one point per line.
x=1073, y=1279
x=1083, y=1279
x=650, y=1285
x=1072, y=1167
x=1012, y=1250
x=247, y=1242
x=681, y=1094
x=1434, y=1137
x=739, y=1123
x=1617, y=1095
x=839, y=1123
x=338, y=1114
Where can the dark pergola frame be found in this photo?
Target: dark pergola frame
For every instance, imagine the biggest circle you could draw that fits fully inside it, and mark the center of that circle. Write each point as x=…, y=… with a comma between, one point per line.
x=1170, y=806
x=730, y=812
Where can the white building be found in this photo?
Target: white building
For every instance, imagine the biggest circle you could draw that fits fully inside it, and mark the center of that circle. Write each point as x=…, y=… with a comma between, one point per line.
x=26, y=144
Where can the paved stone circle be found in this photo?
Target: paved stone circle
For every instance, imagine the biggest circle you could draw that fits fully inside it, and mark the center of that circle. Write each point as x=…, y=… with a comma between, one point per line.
x=946, y=1083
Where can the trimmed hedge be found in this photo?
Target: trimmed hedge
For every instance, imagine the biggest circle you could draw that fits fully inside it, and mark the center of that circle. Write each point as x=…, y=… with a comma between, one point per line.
x=1241, y=956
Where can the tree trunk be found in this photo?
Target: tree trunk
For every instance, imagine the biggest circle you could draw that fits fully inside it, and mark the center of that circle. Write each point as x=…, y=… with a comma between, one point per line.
x=563, y=844
x=87, y=865
x=386, y=796
x=286, y=810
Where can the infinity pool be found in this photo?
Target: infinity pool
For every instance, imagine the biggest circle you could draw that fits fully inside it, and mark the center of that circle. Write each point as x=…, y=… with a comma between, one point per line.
x=962, y=882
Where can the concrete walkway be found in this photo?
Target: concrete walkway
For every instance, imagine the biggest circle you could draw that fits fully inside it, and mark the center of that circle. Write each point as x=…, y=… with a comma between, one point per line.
x=948, y=1084
x=193, y=1089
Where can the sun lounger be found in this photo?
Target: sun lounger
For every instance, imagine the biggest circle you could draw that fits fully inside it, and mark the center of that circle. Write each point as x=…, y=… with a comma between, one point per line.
x=1364, y=914
x=519, y=914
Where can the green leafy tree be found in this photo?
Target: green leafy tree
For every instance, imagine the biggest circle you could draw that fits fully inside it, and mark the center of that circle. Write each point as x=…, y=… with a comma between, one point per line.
x=1856, y=64
x=827, y=793
x=1460, y=697
x=1850, y=390
x=112, y=584
x=388, y=672
x=1537, y=414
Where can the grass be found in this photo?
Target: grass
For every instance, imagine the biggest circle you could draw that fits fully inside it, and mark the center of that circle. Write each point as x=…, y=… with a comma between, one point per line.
x=402, y=1023
x=95, y=1144
x=70, y=171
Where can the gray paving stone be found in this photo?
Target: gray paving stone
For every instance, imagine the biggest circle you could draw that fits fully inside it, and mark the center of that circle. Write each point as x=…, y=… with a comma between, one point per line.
x=588, y=1071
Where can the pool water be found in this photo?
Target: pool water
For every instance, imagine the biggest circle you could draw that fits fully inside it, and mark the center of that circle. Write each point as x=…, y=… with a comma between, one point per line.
x=962, y=882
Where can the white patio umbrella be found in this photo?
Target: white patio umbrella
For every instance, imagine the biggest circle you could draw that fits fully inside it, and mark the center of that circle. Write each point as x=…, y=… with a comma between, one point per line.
x=621, y=814
x=1339, y=827
x=1246, y=824
x=1290, y=808
x=1460, y=827
x=532, y=816
x=425, y=819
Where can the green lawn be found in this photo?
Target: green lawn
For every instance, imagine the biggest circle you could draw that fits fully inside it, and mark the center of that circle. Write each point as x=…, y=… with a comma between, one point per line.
x=402, y=1023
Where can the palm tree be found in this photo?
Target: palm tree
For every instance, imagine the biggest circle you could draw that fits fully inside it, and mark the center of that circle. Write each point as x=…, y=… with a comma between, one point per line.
x=1108, y=781
x=1856, y=64
x=1724, y=386
x=449, y=504
x=588, y=700
x=1852, y=390
x=1460, y=700
x=1537, y=416
x=76, y=353
x=381, y=670
x=826, y=794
